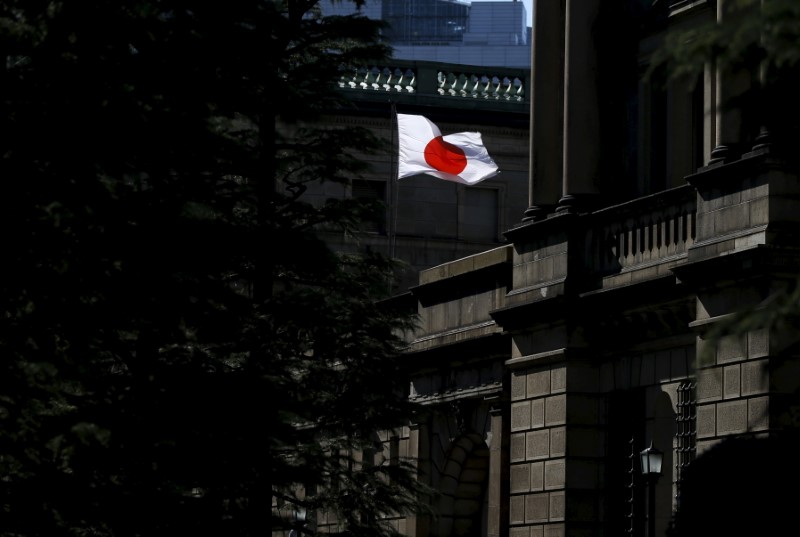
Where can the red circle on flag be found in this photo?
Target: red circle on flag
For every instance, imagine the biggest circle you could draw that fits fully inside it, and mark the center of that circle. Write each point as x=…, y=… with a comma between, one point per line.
x=445, y=156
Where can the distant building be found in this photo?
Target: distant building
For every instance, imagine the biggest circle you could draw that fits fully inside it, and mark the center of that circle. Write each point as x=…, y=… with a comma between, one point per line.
x=451, y=31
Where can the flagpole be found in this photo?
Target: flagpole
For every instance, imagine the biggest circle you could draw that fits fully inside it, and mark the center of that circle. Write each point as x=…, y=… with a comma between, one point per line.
x=394, y=190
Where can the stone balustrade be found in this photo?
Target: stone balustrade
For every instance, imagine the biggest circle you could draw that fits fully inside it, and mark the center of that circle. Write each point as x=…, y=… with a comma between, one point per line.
x=447, y=81
x=648, y=236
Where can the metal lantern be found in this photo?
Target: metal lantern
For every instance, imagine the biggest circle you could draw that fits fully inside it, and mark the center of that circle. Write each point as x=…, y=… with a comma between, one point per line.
x=651, y=459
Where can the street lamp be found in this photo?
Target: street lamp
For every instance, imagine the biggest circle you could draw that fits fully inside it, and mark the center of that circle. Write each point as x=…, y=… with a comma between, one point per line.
x=651, y=459
x=299, y=521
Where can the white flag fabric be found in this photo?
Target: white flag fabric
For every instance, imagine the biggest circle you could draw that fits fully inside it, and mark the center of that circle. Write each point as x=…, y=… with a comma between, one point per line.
x=459, y=157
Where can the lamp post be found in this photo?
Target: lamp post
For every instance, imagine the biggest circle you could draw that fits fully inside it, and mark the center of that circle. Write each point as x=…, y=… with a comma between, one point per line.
x=651, y=459
x=298, y=521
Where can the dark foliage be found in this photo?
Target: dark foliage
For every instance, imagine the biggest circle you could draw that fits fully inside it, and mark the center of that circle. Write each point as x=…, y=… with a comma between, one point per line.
x=178, y=349
x=741, y=487
x=757, y=43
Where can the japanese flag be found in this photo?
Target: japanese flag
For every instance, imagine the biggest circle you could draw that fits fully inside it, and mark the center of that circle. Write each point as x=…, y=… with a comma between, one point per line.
x=459, y=157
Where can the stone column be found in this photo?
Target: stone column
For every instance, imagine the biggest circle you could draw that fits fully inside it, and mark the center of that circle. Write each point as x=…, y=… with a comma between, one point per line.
x=418, y=449
x=730, y=85
x=764, y=138
x=497, y=523
x=709, y=111
x=547, y=105
x=581, y=107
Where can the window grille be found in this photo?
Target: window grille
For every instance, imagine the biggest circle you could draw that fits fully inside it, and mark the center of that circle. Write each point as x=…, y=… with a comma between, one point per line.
x=686, y=436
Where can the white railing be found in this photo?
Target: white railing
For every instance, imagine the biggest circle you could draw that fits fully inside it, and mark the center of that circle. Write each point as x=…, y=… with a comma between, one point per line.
x=449, y=83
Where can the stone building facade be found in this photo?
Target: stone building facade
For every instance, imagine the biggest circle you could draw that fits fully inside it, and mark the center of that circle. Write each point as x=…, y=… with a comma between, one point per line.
x=549, y=360
x=548, y=363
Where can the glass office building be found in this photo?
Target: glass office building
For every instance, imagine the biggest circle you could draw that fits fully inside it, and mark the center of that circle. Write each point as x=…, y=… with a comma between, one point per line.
x=425, y=22
x=450, y=31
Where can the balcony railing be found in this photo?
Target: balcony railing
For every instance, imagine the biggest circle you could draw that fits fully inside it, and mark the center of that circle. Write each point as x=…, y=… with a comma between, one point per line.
x=644, y=232
x=384, y=79
x=447, y=82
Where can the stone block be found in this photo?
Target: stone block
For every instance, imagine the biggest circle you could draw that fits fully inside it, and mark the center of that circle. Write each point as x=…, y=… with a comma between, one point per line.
x=537, y=476
x=521, y=416
x=531, y=276
x=537, y=444
x=537, y=531
x=732, y=417
x=709, y=384
x=558, y=379
x=731, y=382
x=558, y=441
x=537, y=507
x=554, y=474
x=546, y=269
x=731, y=348
x=517, y=447
x=755, y=378
x=758, y=343
x=555, y=410
x=705, y=226
x=452, y=314
x=435, y=319
x=758, y=413
x=538, y=383
x=520, y=478
x=732, y=218
x=557, y=506
x=704, y=446
x=518, y=383
x=518, y=273
x=706, y=421
x=516, y=510
x=732, y=197
x=647, y=375
x=560, y=265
